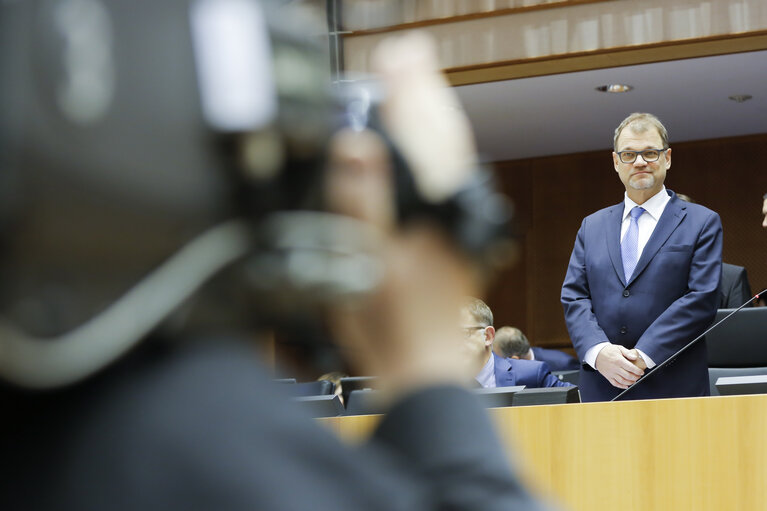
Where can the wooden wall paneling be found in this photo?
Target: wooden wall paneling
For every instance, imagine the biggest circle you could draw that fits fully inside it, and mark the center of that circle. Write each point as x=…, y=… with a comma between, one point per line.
x=508, y=293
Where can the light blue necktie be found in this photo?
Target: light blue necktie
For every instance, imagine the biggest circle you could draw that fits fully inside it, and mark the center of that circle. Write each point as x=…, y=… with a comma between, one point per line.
x=630, y=243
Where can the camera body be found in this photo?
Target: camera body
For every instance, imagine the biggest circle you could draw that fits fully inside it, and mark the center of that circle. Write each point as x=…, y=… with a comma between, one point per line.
x=147, y=147
x=122, y=142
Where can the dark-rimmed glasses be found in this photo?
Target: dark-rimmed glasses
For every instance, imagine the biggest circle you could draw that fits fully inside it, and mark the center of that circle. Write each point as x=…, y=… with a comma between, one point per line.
x=468, y=330
x=648, y=155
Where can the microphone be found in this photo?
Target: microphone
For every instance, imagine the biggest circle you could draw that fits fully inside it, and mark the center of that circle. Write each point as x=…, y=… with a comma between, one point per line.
x=691, y=343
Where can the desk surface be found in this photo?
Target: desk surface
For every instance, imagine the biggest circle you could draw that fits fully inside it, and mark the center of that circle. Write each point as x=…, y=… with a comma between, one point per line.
x=671, y=454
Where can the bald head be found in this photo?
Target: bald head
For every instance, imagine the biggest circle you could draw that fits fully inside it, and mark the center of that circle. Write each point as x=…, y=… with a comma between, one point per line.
x=510, y=342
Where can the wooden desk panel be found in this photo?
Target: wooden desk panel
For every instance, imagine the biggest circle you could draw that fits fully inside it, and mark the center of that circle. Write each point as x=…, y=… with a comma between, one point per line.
x=675, y=454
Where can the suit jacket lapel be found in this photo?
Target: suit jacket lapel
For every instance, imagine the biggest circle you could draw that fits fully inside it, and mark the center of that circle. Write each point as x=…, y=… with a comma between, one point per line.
x=504, y=376
x=613, y=238
x=670, y=219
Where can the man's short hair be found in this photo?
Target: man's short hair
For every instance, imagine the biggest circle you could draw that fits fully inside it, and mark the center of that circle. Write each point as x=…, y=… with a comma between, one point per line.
x=479, y=310
x=512, y=342
x=641, y=122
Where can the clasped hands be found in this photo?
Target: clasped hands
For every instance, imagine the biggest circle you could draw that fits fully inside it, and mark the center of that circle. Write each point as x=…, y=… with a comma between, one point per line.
x=621, y=366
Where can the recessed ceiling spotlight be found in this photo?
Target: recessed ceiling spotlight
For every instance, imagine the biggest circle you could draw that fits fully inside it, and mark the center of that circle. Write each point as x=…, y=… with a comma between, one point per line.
x=740, y=98
x=615, y=87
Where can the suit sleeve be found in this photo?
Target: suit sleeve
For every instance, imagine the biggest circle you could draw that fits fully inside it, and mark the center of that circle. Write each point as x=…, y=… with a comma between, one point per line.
x=547, y=379
x=690, y=314
x=581, y=322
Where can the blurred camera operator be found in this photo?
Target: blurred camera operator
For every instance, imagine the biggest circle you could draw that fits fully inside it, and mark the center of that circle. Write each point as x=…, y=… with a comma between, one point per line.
x=187, y=418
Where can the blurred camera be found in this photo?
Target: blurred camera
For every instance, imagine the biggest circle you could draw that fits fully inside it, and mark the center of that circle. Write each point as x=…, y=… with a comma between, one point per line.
x=147, y=147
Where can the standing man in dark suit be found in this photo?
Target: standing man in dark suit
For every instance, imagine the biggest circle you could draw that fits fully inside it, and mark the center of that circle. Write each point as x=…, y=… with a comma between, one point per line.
x=510, y=342
x=492, y=370
x=643, y=277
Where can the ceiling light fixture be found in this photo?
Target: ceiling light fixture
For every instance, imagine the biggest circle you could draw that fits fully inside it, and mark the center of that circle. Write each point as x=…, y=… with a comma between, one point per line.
x=614, y=87
x=740, y=98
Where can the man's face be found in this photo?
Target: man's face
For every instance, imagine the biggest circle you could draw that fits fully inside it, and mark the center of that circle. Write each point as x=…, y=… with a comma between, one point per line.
x=764, y=212
x=642, y=175
x=475, y=335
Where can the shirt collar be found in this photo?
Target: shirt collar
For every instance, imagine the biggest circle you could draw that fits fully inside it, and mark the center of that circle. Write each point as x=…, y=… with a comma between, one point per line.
x=486, y=376
x=654, y=205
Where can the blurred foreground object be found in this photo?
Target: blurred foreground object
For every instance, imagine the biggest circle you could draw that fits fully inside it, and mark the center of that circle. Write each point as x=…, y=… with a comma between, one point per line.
x=154, y=153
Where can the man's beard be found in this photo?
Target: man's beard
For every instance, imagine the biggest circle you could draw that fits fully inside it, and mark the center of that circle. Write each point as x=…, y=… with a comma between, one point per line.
x=643, y=183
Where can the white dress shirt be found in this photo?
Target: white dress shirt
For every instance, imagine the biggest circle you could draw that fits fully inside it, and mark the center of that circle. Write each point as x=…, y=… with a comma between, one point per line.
x=654, y=207
x=486, y=376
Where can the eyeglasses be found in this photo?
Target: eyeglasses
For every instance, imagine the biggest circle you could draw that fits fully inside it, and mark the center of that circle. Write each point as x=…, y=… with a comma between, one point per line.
x=648, y=155
x=468, y=330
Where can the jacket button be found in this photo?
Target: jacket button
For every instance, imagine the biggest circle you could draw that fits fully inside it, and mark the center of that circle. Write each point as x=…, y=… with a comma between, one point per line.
x=624, y=329
x=626, y=292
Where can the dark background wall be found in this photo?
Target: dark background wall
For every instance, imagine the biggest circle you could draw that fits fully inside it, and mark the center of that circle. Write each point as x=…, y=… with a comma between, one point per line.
x=553, y=194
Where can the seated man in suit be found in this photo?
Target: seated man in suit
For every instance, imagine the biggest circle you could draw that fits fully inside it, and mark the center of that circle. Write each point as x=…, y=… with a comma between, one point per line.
x=510, y=342
x=495, y=371
x=734, y=290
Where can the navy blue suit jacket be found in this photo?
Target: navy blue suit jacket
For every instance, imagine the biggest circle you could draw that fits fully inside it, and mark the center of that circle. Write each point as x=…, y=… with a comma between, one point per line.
x=669, y=300
x=531, y=373
x=557, y=360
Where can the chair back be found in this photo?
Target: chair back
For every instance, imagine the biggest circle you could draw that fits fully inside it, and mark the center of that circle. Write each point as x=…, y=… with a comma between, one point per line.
x=352, y=383
x=311, y=388
x=741, y=341
x=364, y=402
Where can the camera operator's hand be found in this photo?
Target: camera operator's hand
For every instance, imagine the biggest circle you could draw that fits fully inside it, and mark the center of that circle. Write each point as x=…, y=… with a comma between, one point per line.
x=423, y=116
x=407, y=332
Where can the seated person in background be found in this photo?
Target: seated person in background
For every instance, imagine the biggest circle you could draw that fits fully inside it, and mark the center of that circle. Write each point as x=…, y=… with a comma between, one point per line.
x=495, y=371
x=335, y=378
x=510, y=342
x=734, y=289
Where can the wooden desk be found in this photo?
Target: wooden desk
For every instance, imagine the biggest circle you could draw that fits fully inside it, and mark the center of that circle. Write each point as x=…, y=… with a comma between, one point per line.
x=672, y=454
